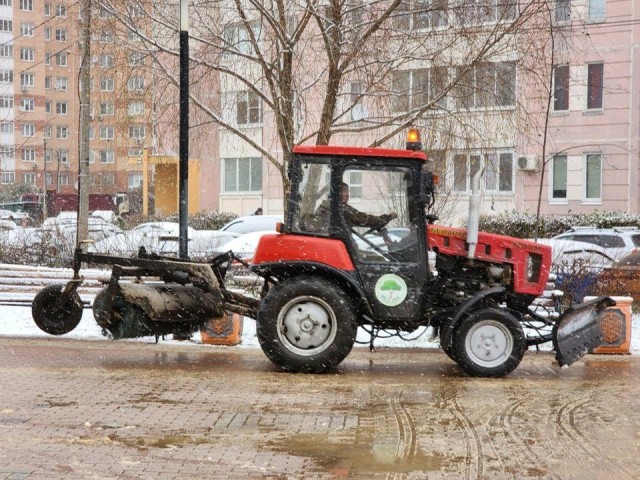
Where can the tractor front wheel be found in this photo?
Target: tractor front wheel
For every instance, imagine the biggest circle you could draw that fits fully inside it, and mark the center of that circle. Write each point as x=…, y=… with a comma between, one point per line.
x=55, y=313
x=489, y=343
x=306, y=325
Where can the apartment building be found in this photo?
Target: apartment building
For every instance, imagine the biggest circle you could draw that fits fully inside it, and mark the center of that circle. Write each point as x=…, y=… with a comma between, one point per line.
x=39, y=99
x=592, y=152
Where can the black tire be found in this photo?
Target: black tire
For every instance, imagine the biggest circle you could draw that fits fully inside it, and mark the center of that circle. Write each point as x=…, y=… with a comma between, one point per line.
x=489, y=343
x=445, y=337
x=54, y=314
x=306, y=325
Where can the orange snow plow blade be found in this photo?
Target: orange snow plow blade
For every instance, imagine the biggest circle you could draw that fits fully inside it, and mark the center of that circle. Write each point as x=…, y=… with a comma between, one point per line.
x=578, y=330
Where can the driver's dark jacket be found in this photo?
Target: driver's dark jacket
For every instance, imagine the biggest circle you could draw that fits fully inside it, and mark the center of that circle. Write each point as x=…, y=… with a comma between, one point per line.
x=352, y=217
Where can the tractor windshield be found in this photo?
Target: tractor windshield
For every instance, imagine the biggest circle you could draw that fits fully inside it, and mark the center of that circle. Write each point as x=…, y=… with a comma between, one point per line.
x=368, y=206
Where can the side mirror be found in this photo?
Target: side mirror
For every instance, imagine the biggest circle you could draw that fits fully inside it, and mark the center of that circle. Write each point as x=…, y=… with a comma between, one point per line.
x=427, y=187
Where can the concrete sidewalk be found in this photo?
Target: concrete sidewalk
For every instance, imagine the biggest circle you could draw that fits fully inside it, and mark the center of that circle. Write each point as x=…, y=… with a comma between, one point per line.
x=93, y=409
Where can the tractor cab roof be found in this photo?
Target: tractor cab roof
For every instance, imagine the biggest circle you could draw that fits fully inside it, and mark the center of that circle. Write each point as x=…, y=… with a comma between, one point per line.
x=335, y=150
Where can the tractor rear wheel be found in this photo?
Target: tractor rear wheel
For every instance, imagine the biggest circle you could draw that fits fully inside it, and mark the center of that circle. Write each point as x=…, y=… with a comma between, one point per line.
x=306, y=325
x=489, y=343
x=55, y=313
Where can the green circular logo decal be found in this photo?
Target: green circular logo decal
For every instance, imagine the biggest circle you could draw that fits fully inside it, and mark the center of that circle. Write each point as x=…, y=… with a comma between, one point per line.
x=391, y=290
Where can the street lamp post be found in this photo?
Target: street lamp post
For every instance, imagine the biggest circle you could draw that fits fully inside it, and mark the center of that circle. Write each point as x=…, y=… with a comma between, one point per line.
x=183, y=170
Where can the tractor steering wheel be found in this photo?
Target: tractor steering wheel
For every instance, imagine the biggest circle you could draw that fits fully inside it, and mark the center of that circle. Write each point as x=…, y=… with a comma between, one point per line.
x=384, y=221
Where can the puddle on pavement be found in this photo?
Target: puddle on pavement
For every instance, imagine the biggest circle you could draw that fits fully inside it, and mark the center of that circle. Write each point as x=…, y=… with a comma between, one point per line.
x=377, y=456
x=167, y=441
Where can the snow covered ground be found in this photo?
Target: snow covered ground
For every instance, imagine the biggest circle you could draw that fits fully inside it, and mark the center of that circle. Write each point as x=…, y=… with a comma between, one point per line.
x=17, y=321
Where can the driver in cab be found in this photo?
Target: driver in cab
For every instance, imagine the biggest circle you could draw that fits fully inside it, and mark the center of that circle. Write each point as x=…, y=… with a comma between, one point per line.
x=356, y=218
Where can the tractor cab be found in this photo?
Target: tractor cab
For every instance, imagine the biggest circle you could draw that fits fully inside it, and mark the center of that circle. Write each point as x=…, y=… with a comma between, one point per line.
x=370, y=205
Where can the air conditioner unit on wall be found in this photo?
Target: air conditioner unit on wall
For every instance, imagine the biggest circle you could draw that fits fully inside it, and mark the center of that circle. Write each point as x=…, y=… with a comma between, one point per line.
x=528, y=163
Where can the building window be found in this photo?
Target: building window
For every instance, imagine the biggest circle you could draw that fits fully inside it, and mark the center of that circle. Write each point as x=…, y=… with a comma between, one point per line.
x=47, y=83
x=237, y=38
x=135, y=109
x=6, y=50
x=106, y=84
x=478, y=12
x=47, y=57
x=559, y=177
x=47, y=34
x=63, y=156
x=6, y=76
x=46, y=132
x=28, y=154
x=61, y=11
x=26, y=29
x=26, y=54
x=47, y=9
x=6, y=3
x=62, y=83
x=563, y=10
x=7, y=178
x=498, y=175
x=107, y=133
x=63, y=179
x=108, y=179
x=27, y=80
x=106, y=61
x=136, y=131
x=29, y=178
x=61, y=59
x=596, y=10
x=7, y=127
x=248, y=108
x=414, y=89
x=135, y=180
x=6, y=101
x=105, y=36
x=420, y=14
x=107, y=108
x=92, y=156
x=242, y=175
x=136, y=59
x=28, y=129
x=61, y=34
x=487, y=85
x=135, y=152
x=61, y=108
x=27, y=105
x=135, y=84
x=62, y=132
x=26, y=5
x=561, y=88
x=106, y=156
x=47, y=107
x=6, y=25
x=595, y=84
x=593, y=177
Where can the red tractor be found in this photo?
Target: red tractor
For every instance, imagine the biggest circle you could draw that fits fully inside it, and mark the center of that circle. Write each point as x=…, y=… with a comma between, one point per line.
x=333, y=268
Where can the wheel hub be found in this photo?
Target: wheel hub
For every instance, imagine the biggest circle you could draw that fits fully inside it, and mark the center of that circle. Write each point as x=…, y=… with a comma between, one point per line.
x=306, y=325
x=489, y=343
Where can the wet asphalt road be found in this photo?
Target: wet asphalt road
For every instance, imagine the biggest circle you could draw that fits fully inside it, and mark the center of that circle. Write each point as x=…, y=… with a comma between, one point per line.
x=97, y=409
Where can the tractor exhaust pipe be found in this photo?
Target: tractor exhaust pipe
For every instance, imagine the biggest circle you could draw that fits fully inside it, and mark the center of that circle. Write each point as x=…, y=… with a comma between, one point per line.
x=474, y=213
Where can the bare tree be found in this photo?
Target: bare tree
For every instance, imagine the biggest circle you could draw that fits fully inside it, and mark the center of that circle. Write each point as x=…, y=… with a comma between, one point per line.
x=323, y=70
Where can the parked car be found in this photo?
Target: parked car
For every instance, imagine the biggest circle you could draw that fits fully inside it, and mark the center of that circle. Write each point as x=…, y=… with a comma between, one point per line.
x=575, y=255
x=202, y=245
x=253, y=223
x=147, y=235
x=615, y=242
x=623, y=278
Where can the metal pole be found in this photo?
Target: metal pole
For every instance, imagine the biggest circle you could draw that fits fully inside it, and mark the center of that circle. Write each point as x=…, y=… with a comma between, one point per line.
x=44, y=183
x=183, y=171
x=83, y=130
